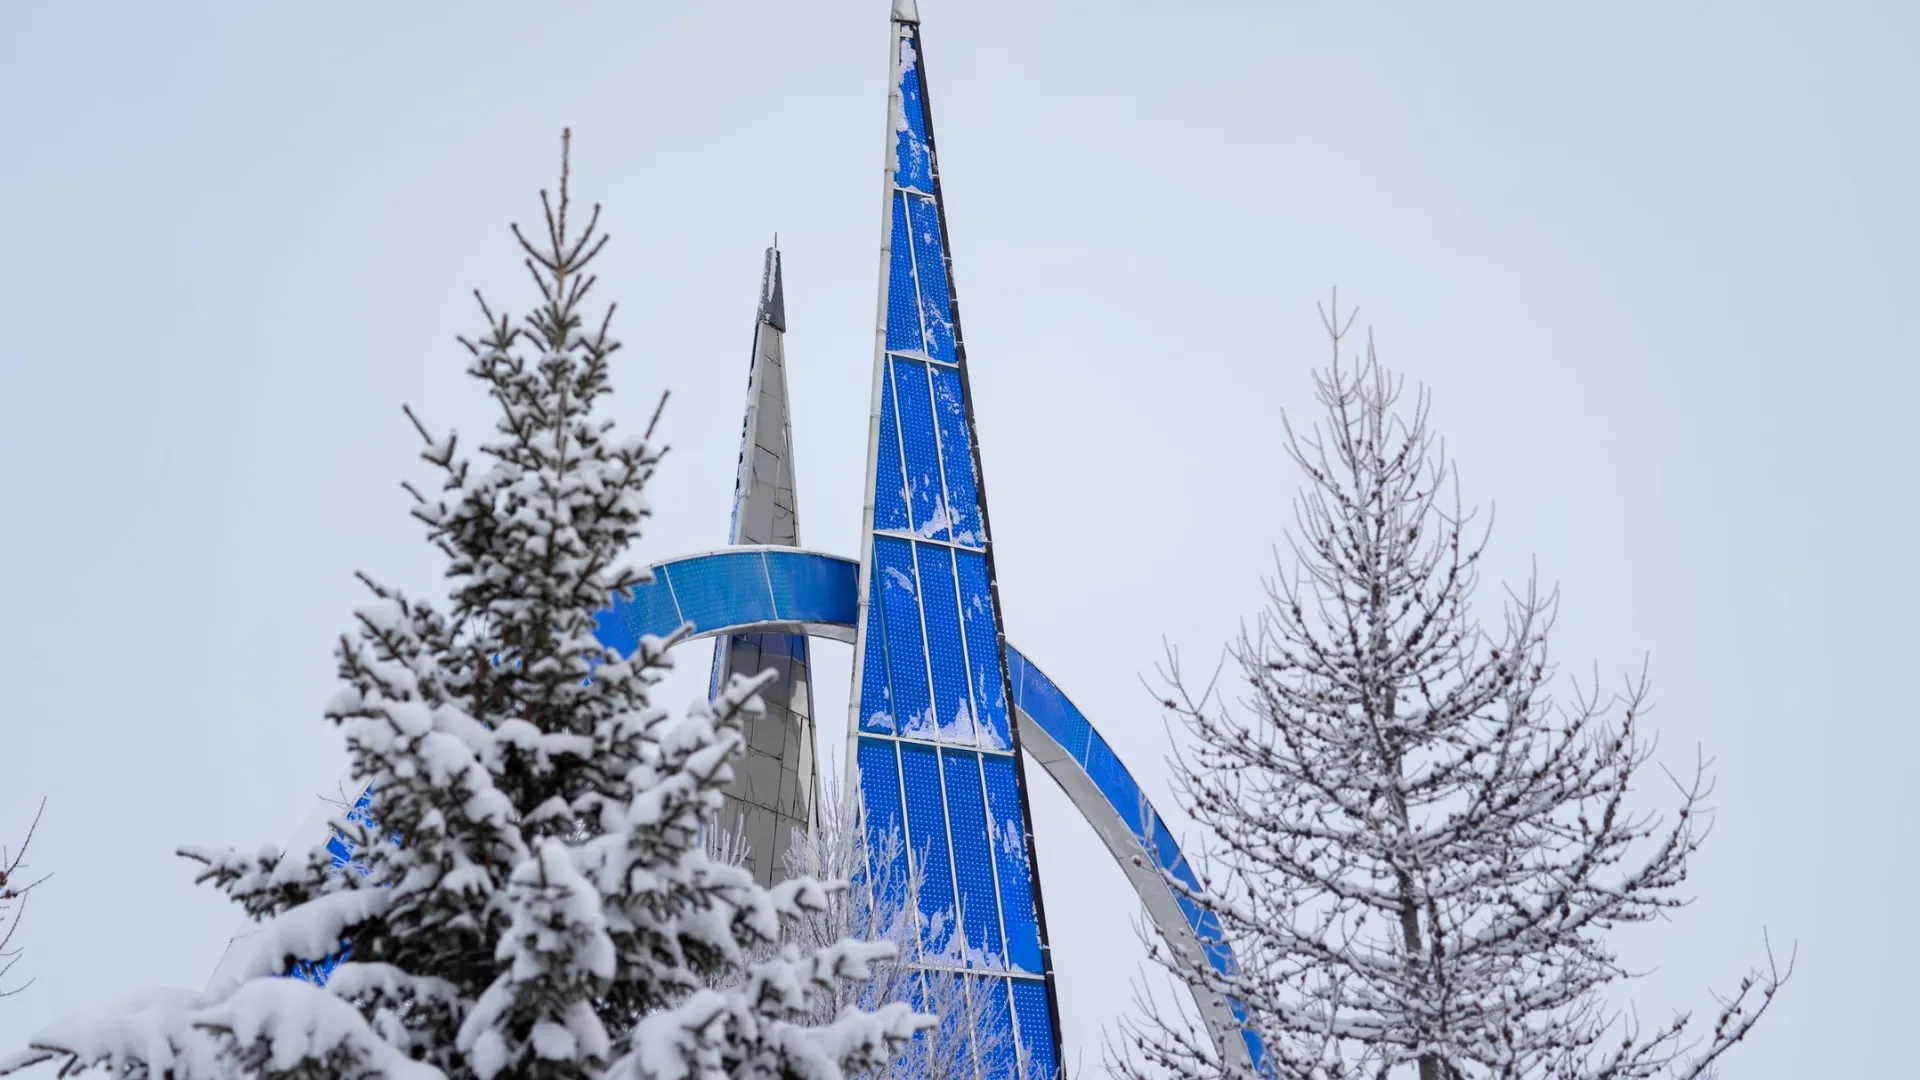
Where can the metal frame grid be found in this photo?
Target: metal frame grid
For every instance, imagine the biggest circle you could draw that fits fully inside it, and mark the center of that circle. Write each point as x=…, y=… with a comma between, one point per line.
x=935, y=751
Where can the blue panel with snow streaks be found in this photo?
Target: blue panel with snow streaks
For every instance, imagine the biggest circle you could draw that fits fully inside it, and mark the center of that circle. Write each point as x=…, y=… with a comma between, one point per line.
x=926, y=496
x=809, y=588
x=903, y=309
x=973, y=859
x=983, y=651
x=889, y=485
x=650, y=611
x=900, y=615
x=876, y=700
x=927, y=840
x=1116, y=784
x=611, y=628
x=880, y=802
x=956, y=457
x=913, y=162
x=997, y=1060
x=1036, y=1025
x=1010, y=863
x=929, y=265
x=1052, y=710
x=721, y=590
x=1166, y=851
x=954, y=714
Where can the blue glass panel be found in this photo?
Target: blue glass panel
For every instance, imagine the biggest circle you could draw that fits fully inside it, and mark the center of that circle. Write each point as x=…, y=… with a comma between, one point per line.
x=972, y=859
x=954, y=1033
x=983, y=651
x=956, y=457
x=927, y=839
x=997, y=1059
x=651, y=611
x=913, y=163
x=813, y=588
x=889, y=484
x=876, y=701
x=954, y=715
x=880, y=803
x=1256, y=1049
x=1213, y=943
x=1113, y=781
x=610, y=628
x=1053, y=712
x=1010, y=863
x=1036, y=1025
x=920, y=454
x=1166, y=851
x=1184, y=873
x=1016, y=672
x=936, y=307
x=899, y=600
x=721, y=590
x=903, y=311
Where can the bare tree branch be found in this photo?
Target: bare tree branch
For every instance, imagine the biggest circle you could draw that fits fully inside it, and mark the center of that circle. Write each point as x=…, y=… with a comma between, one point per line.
x=13, y=901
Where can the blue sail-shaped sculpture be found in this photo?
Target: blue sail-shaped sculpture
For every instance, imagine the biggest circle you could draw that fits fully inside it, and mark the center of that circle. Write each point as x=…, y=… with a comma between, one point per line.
x=935, y=752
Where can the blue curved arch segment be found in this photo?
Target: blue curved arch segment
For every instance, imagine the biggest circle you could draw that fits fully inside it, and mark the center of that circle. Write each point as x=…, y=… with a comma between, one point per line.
x=817, y=591
x=734, y=591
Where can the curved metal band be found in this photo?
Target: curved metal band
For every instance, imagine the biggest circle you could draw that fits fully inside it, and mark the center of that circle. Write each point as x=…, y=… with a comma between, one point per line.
x=751, y=589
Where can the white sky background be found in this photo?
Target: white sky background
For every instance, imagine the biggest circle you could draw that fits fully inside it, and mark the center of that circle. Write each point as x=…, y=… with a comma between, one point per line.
x=1654, y=260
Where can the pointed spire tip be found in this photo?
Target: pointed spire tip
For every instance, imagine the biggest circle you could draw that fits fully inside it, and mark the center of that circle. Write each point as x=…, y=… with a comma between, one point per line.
x=773, y=300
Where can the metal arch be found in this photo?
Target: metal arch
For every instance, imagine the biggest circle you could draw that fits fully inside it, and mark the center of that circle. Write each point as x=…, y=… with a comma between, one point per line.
x=753, y=589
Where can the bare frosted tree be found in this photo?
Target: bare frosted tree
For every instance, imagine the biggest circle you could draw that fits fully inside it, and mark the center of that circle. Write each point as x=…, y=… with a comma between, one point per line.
x=13, y=901
x=1415, y=850
x=882, y=904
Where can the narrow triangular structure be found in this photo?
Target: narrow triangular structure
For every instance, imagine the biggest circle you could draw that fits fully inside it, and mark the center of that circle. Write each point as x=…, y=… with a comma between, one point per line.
x=934, y=749
x=774, y=785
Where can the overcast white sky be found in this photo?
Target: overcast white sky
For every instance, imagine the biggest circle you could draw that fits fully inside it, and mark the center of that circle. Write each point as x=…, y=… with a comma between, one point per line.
x=1656, y=262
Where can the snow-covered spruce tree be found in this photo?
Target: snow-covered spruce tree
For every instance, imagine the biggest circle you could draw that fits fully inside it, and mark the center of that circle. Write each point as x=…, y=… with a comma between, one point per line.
x=1415, y=851
x=548, y=909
